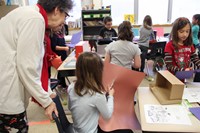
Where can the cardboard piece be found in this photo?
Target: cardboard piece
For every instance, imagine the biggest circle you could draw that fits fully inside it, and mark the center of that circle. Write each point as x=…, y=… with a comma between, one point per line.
x=125, y=82
x=167, y=88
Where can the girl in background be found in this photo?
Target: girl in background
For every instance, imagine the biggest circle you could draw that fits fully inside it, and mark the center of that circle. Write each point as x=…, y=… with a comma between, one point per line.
x=180, y=51
x=124, y=52
x=59, y=47
x=86, y=96
x=146, y=32
x=195, y=29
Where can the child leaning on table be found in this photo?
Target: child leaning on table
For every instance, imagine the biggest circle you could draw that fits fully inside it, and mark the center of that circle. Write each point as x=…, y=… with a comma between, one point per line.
x=180, y=51
x=86, y=97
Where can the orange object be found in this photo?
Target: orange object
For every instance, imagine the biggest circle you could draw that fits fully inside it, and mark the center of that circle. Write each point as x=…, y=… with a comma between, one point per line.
x=80, y=47
x=56, y=62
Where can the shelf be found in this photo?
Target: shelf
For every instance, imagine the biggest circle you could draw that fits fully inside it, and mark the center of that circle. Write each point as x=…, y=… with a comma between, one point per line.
x=96, y=26
x=95, y=16
x=92, y=22
x=95, y=11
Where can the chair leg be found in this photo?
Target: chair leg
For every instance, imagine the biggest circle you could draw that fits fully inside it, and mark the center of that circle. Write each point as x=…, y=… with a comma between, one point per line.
x=59, y=94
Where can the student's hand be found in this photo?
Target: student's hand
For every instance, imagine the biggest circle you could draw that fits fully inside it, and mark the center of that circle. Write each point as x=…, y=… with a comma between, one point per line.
x=66, y=49
x=50, y=109
x=53, y=95
x=188, y=69
x=111, y=91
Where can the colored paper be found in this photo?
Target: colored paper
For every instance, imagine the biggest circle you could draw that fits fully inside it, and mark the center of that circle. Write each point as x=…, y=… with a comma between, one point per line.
x=196, y=112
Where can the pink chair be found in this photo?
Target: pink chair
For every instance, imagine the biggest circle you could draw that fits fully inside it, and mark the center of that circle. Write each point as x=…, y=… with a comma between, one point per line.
x=125, y=85
x=160, y=31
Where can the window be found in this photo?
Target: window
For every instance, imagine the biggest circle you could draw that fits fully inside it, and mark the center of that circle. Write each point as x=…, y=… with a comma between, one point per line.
x=157, y=9
x=32, y=2
x=119, y=8
x=185, y=8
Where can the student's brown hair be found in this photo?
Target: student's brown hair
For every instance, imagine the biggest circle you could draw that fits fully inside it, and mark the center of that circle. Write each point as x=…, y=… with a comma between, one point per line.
x=147, y=22
x=89, y=70
x=125, y=31
x=107, y=19
x=50, y=5
x=178, y=24
x=197, y=17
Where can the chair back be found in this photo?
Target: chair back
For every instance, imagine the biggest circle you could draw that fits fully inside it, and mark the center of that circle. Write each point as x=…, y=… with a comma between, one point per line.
x=157, y=49
x=54, y=83
x=125, y=85
x=197, y=77
x=63, y=125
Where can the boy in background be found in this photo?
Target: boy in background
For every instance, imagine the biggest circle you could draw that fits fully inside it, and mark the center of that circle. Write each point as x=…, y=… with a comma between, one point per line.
x=107, y=32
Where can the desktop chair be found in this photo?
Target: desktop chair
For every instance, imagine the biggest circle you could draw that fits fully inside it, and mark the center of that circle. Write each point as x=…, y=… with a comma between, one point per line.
x=54, y=83
x=197, y=77
x=157, y=55
x=100, y=46
x=125, y=85
x=75, y=39
x=63, y=125
x=157, y=49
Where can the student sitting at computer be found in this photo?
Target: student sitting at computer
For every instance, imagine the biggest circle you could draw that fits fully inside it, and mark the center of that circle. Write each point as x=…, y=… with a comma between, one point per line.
x=124, y=52
x=107, y=32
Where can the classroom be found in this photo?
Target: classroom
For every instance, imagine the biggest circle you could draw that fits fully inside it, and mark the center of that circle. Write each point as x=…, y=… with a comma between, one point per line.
x=100, y=66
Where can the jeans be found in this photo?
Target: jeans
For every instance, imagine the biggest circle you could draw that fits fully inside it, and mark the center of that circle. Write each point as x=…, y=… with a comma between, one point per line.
x=143, y=56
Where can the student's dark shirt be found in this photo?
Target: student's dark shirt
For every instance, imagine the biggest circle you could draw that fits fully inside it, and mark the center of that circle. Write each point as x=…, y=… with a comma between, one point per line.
x=57, y=40
x=106, y=33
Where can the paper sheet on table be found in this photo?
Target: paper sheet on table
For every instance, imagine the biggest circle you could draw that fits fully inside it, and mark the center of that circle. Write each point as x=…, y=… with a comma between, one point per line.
x=191, y=94
x=166, y=114
x=196, y=112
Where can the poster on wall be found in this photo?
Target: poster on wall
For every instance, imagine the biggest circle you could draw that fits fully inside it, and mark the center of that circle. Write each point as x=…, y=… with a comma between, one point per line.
x=129, y=17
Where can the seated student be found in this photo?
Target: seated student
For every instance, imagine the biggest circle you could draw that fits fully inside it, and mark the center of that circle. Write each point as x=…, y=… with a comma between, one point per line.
x=146, y=32
x=59, y=47
x=124, y=52
x=107, y=32
x=86, y=99
x=180, y=51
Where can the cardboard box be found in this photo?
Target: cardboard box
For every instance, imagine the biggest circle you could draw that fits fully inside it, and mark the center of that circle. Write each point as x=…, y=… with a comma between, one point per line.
x=167, y=89
x=80, y=47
